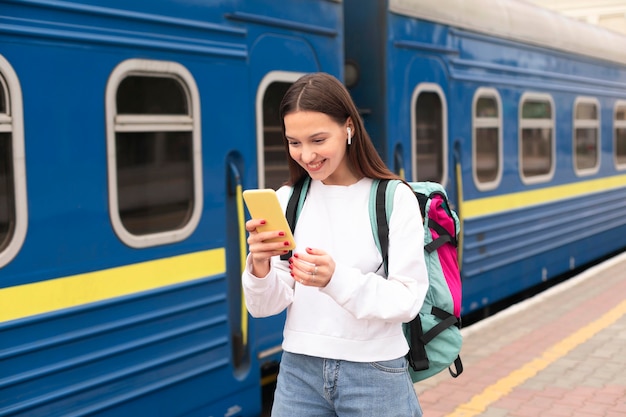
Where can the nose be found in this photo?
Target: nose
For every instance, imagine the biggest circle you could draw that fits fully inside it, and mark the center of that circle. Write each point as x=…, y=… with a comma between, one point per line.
x=308, y=155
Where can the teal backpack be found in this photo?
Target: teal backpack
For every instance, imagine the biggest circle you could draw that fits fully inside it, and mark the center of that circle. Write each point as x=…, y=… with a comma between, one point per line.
x=434, y=336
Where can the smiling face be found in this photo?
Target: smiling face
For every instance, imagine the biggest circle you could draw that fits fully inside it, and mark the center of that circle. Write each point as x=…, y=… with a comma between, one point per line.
x=318, y=144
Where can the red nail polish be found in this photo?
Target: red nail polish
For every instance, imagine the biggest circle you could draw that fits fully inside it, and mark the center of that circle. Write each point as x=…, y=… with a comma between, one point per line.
x=281, y=233
x=262, y=221
x=286, y=243
x=295, y=255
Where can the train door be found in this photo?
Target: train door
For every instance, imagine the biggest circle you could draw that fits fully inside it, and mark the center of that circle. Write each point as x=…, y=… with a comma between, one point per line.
x=272, y=172
x=417, y=109
x=272, y=75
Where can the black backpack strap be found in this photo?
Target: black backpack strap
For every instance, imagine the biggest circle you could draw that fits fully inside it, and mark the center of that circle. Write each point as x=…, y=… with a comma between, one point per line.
x=458, y=365
x=422, y=199
x=381, y=221
x=444, y=237
x=447, y=320
x=298, y=195
x=417, y=358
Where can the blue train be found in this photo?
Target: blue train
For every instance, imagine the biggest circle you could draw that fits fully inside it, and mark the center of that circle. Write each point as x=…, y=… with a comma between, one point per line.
x=128, y=131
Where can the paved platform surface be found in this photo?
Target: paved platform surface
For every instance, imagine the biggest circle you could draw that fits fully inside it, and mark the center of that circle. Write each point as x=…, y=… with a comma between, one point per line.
x=560, y=354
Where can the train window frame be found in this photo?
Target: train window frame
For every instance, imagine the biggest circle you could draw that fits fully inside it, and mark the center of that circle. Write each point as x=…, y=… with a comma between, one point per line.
x=438, y=90
x=482, y=123
x=526, y=123
x=121, y=123
x=579, y=123
x=619, y=124
x=12, y=123
x=269, y=79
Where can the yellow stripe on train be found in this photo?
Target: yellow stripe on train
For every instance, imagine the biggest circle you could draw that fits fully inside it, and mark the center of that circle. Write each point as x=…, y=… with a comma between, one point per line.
x=497, y=204
x=55, y=294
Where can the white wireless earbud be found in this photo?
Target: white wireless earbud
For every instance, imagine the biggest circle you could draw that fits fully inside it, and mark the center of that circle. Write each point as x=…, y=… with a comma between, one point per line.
x=349, y=136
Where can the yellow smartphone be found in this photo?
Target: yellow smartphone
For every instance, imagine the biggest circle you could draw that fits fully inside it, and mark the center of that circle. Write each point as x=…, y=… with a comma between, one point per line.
x=263, y=204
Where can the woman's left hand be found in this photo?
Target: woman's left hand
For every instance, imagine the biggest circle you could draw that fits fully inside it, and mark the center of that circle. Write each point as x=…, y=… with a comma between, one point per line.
x=313, y=268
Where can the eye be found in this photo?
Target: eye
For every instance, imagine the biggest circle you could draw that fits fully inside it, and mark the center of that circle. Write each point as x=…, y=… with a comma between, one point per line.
x=293, y=143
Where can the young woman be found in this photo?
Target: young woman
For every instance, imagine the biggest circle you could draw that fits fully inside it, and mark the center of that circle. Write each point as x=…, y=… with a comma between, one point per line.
x=343, y=349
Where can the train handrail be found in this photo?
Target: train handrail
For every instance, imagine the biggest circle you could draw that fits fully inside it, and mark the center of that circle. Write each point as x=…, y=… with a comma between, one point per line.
x=459, y=199
x=242, y=245
x=242, y=253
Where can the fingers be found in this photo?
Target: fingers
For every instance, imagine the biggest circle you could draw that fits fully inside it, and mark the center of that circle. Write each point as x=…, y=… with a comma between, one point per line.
x=252, y=224
x=264, y=245
x=315, y=271
x=307, y=273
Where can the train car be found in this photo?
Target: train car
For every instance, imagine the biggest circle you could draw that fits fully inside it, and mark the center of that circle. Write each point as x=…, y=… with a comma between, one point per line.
x=518, y=111
x=127, y=132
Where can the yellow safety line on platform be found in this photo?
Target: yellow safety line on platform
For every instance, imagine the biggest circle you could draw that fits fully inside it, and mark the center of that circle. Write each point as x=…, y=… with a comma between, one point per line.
x=504, y=386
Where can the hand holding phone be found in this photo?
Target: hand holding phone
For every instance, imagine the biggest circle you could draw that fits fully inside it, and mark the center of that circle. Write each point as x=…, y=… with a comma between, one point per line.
x=263, y=204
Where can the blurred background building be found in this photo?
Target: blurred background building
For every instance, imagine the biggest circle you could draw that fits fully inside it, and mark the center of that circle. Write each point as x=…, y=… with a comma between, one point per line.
x=610, y=14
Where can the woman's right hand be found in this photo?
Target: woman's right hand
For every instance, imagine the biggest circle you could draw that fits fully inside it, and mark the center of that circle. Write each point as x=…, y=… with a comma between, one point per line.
x=261, y=250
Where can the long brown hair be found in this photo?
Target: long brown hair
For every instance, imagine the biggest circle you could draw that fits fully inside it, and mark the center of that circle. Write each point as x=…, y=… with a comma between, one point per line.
x=321, y=92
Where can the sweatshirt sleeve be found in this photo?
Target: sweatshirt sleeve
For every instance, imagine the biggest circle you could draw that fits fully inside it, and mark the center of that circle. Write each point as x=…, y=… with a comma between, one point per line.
x=269, y=295
x=399, y=297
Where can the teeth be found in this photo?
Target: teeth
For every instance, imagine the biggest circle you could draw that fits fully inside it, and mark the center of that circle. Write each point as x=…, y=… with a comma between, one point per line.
x=319, y=164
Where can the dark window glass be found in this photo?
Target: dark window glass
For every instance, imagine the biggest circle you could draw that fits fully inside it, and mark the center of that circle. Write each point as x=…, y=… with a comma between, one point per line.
x=537, y=137
x=275, y=158
x=487, y=140
x=486, y=107
x=154, y=180
x=586, y=136
x=429, y=137
x=535, y=109
x=536, y=151
x=586, y=111
x=3, y=100
x=151, y=95
x=7, y=191
x=487, y=154
x=620, y=135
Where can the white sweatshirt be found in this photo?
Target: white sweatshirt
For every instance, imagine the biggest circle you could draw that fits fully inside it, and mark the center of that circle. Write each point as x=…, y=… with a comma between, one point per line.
x=358, y=316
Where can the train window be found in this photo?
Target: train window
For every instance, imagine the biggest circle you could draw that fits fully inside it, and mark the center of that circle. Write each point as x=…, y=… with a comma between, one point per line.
x=536, y=139
x=3, y=100
x=487, y=138
x=13, y=208
x=586, y=136
x=620, y=135
x=153, y=140
x=429, y=134
x=273, y=165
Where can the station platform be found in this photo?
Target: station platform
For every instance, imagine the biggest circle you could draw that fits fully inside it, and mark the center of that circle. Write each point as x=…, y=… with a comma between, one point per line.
x=560, y=354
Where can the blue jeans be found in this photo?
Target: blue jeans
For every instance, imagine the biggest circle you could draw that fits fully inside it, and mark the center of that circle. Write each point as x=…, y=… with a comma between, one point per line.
x=310, y=386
